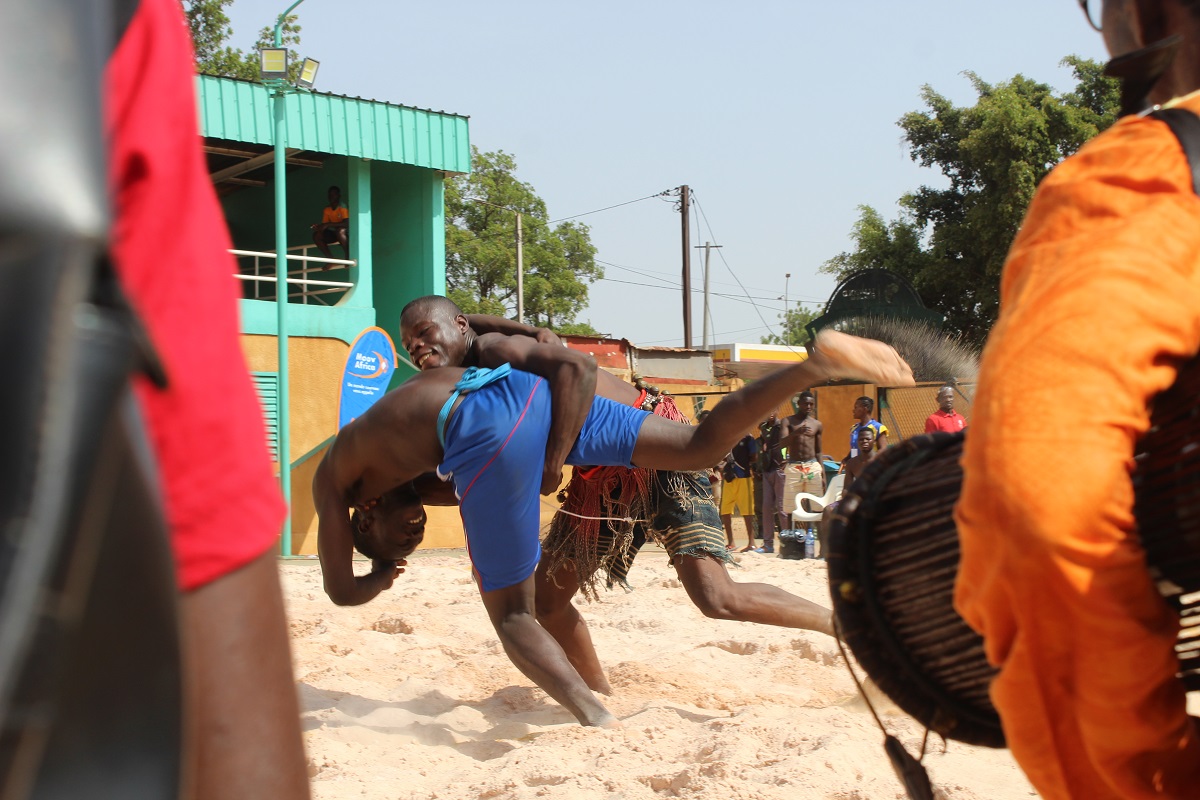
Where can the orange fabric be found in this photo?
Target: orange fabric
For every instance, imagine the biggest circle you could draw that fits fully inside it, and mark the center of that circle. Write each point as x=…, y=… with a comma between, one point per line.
x=1100, y=300
x=335, y=215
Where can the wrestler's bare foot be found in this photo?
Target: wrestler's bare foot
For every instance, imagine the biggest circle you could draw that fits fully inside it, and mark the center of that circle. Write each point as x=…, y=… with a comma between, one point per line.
x=840, y=355
x=607, y=721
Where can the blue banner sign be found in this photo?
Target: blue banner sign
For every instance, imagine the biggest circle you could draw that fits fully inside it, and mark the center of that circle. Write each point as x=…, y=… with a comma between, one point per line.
x=367, y=374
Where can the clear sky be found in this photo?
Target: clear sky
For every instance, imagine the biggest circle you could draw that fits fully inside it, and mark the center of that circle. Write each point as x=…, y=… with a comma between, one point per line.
x=780, y=116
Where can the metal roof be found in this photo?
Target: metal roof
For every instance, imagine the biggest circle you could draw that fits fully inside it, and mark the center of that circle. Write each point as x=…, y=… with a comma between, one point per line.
x=241, y=111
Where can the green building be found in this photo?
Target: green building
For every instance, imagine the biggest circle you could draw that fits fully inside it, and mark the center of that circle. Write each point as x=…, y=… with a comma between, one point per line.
x=389, y=162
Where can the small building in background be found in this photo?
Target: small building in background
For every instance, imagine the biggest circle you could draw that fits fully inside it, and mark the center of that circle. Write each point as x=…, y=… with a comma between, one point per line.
x=390, y=162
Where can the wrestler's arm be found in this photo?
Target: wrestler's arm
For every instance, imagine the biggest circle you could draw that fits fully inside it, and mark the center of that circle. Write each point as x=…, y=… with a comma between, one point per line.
x=434, y=491
x=332, y=484
x=572, y=379
x=817, y=454
x=487, y=323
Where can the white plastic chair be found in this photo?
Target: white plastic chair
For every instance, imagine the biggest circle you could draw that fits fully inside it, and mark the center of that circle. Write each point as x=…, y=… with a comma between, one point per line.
x=802, y=518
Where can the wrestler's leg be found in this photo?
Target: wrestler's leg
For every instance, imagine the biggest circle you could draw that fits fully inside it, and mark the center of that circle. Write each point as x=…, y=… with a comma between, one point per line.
x=715, y=593
x=662, y=444
x=559, y=616
x=538, y=656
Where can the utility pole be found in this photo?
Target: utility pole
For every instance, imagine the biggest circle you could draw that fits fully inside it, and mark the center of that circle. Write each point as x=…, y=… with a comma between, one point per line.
x=708, y=248
x=684, y=198
x=520, y=272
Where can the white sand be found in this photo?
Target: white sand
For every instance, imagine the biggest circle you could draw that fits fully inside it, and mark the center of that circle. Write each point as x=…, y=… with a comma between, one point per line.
x=411, y=696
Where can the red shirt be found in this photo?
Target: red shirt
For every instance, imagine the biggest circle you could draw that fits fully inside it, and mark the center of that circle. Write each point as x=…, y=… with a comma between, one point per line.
x=946, y=421
x=169, y=245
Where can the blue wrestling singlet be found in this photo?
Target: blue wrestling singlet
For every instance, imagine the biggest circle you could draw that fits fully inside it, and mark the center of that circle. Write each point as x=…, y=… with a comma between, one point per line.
x=495, y=449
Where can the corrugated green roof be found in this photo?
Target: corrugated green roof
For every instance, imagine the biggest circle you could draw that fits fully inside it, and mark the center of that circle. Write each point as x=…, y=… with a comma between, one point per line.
x=240, y=111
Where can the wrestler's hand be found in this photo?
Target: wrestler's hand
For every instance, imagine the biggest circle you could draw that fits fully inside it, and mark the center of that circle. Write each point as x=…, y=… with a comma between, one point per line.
x=551, y=478
x=547, y=336
x=387, y=570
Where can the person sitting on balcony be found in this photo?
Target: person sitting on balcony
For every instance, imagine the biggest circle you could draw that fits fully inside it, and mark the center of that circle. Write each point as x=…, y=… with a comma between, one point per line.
x=334, y=226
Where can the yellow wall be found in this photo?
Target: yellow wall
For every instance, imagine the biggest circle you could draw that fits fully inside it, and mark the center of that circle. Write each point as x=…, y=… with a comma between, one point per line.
x=314, y=379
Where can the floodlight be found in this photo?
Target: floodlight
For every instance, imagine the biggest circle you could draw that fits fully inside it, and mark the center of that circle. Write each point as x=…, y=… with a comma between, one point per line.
x=308, y=73
x=272, y=63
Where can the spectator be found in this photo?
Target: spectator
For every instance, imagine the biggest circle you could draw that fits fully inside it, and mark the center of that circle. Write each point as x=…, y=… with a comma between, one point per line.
x=804, y=471
x=737, y=489
x=334, y=225
x=852, y=467
x=863, y=407
x=945, y=419
x=772, y=461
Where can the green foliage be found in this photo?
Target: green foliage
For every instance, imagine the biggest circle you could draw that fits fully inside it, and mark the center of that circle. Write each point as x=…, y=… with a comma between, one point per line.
x=576, y=329
x=792, y=330
x=481, y=256
x=951, y=243
x=210, y=28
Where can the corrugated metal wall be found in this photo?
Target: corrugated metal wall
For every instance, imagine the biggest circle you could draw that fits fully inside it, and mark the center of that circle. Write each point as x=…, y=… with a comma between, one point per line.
x=241, y=111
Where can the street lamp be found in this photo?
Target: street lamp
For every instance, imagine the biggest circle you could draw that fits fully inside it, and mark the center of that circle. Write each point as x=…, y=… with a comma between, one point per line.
x=273, y=62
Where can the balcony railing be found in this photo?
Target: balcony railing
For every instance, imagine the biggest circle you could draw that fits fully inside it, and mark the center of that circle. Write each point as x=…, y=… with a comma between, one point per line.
x=261, y=271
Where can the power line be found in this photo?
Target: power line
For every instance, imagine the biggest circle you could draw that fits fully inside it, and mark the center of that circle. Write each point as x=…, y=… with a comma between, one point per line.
x=485, y=236
x=723, y=333
x=609, y=208
x=654, y=275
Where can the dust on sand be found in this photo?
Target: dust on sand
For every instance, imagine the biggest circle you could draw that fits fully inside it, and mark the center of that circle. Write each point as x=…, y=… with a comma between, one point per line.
x=411, y=696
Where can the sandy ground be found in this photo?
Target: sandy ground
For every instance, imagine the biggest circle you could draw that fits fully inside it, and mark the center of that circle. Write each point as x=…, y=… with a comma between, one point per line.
x=411, y=696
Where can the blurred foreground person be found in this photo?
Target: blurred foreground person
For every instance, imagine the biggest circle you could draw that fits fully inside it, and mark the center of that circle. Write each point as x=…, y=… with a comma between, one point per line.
x=1100, y=297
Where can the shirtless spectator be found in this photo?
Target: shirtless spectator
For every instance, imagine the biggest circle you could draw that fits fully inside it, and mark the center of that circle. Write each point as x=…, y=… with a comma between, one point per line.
x=802, y=437
x=852, y=467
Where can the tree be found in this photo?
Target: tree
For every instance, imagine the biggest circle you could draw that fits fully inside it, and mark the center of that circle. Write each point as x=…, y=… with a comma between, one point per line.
x=210, y=28
x=951, y=243
x=792, y=330
x=481, y=258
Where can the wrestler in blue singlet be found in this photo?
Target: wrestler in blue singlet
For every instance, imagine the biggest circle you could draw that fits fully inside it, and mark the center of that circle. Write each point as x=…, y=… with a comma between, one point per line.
x=495, y=447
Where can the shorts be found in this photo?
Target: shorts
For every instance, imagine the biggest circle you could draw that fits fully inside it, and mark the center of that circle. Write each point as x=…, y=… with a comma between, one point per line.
x=677, y=511
x=738, y=493
x=495, y=448
x=802, y=476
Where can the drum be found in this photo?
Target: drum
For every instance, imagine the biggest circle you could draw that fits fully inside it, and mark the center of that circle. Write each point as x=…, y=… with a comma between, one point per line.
x=893, y=556
x=1166, y=484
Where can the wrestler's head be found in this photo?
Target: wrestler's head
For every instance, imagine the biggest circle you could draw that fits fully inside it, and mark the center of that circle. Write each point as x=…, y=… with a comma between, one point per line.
x=946, y=399
x=390, y=527
x=866, y=440
x=435, y=332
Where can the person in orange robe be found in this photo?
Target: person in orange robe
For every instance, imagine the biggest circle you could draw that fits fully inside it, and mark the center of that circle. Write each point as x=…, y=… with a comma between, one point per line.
x=1100, y=303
